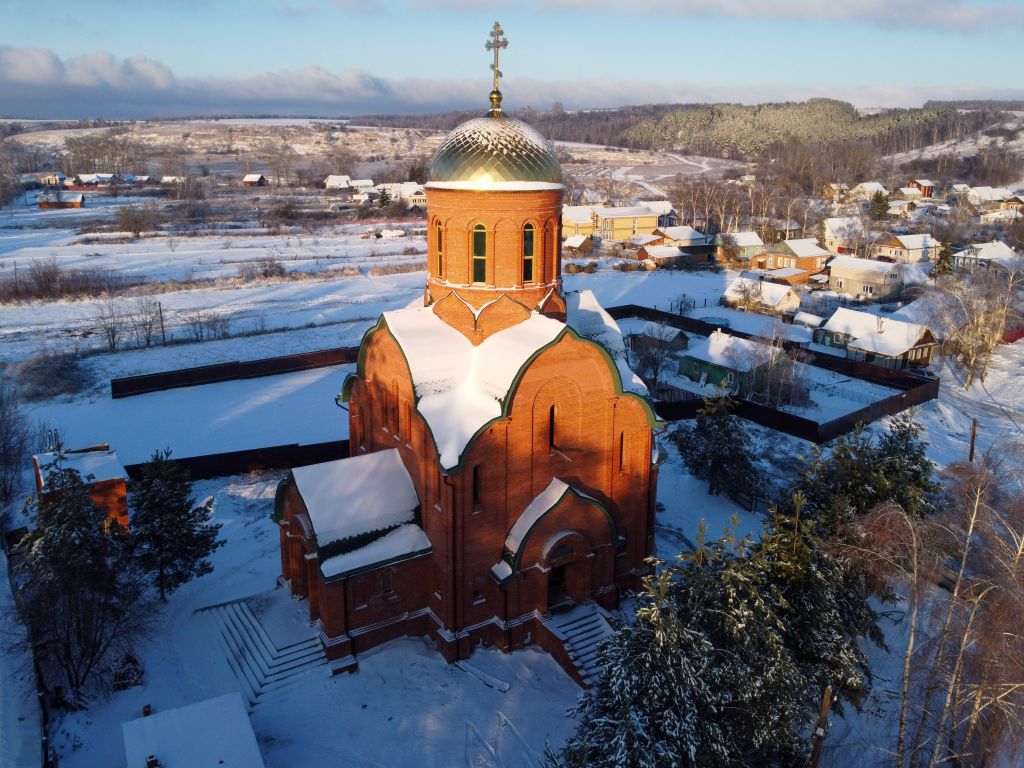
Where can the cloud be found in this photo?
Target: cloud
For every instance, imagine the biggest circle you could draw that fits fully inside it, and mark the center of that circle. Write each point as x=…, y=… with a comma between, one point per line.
x=36, y=83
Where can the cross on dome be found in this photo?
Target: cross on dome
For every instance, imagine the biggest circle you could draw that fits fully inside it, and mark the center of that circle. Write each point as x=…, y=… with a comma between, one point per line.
x=496, y=43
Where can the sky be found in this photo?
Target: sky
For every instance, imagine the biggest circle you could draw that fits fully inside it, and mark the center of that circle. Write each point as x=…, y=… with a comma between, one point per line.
x=162, y=58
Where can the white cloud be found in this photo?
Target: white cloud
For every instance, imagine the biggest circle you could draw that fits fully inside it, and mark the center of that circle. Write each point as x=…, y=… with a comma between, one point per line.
x=37, y=83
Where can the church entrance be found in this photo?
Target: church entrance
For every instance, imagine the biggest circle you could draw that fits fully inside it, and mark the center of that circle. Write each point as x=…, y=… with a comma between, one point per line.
x=558, y=596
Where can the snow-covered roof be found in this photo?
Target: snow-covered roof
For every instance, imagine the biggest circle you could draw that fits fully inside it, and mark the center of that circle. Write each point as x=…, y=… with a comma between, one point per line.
x=806, y=318
x=769, y=294
x=589, y=319
x=101, y=465
x=995, y=251
x=744, y=239
x=870, y=188
x=61, y=197
x=940, y=313
x=844, y=226
x=910, y=191
x=578, y=214
x=575, y=241
x=360, y=494
x=215, y=733
x=337, y=181
x=881, y=335
x=361, y=182
x=804, y=247
x=853, y=264
x=685, y=232
x=988, y=194
x=925, y=182
x=917, y=242
x=660, y=207
x=663, y=251
x=404, y=541
x=730, y=352
x=253, y=177
x=643, y=239
x=783, y=272
x=637, y=326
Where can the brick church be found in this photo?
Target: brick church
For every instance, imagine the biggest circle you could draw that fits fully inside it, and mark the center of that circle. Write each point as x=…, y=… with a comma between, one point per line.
x=501, y=482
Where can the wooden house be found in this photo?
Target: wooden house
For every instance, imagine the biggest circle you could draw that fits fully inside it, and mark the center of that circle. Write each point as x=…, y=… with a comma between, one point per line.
x=748, y=247
x=254, y=180
x=865, y=278
x=577, y=246
x=835, y=191
x=802, y=253
x=882, y=341
x=925, y=186
x=844, y=234
x=57, y=199
x=760, y=296
x=722, y=359
x=907, y=249
x=992, y=254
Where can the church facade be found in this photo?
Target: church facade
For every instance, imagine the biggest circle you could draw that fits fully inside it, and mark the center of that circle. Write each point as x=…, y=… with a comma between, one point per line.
x=502, y=455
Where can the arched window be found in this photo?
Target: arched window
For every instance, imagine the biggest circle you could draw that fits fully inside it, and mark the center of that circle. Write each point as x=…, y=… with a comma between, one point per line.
x=552, y=436
x=439, y=242
x=479, y=254
x=528, y=253
x=478, y=485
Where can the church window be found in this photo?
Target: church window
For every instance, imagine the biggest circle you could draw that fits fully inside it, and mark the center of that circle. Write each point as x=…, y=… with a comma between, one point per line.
x=388, y=587
x=552, y=441
x=439, y=235
x=479, y=254
x=528, y=253
x=622, y=451
x=478, y=485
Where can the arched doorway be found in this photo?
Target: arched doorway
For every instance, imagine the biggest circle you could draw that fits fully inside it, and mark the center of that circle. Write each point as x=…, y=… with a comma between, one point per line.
x=568, y=560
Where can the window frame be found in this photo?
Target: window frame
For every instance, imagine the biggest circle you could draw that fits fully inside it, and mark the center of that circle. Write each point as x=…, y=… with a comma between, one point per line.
x=479, y=265
x=529, y=255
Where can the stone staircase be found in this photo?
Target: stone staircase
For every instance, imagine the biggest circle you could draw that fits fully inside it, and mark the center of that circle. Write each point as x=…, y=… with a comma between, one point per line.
x=581, y=631
x=264, y=669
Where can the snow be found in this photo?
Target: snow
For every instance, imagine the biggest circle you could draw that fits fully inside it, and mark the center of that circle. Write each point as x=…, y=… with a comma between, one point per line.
x=544, y=501
x=784, y=272
x=746, y=239
x=405, y=706
x=637, y=326
x=460, y=387
x=918, y=242
x=729, y=351
x=804, y=247
x=996, y=252
x=862, y=265
x=575, y=241
x=495, y=186
x=99, y=465
x=684, y=234
x=356, y=495
x=769, y=294
x=405, y=541
x=214, y=418
x=20, y=723
x=884, y=336
x=206, y=734
x=589, y=319
x=807, y=319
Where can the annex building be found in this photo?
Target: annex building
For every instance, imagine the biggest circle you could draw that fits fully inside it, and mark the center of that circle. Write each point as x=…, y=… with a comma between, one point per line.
x=503, y=467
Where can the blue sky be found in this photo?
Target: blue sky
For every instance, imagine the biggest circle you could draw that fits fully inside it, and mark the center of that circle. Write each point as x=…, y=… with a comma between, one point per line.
x=165, y=57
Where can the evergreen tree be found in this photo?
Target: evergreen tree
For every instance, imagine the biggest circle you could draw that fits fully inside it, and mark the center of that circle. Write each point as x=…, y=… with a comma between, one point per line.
x=80, y=590
x=879, y=206
x=173, y=536
x=944, y=263
x=907, y=468
x=717, y=449
x=384, y=200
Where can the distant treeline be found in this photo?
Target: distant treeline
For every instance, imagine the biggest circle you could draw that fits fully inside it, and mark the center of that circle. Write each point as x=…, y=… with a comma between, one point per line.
x=751, y=132
x=985, y=104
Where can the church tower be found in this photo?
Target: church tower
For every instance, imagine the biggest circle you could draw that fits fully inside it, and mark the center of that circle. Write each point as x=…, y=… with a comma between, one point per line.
x=502, y=464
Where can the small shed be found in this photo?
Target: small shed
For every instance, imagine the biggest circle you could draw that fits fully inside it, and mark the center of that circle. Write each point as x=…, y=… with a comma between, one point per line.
x=578, y=245
x=101, y=471
x=254, y=180
x=760, y=296
x=57, y=199
x=215, y=733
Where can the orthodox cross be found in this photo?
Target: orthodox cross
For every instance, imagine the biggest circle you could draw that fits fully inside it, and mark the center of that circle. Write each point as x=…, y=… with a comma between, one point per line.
x=496, y=43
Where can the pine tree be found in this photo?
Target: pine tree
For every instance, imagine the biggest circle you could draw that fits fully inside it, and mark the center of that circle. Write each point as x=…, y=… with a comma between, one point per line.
x=879, y=206
x=173, y=536
x=944, y=263
x=717, y=449
x=80, y=592
x=384, y=200
x=909, y=471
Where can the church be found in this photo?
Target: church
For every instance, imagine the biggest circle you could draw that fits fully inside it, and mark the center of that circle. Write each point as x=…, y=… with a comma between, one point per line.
x=500, y=488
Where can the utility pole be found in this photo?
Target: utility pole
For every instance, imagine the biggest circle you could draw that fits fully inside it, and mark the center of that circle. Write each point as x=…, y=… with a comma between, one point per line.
x=163, y=336
x=974, y=434
x=819, y=729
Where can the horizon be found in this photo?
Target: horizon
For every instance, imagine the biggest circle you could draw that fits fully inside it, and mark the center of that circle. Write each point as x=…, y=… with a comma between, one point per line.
x=164, y=59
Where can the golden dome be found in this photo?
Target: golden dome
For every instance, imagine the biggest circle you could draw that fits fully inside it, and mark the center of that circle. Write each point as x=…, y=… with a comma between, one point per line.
x=495, y=152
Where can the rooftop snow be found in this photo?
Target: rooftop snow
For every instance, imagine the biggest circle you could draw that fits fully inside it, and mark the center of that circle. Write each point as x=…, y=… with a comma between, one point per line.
x=588, y=318
x=995, y=251
x=575, y=241
x=804, y=247
x=806, y=318
x=745, y=239
x=917, y=242
x=544, y=501
x=683, y=233
x=881, y=335
x=208, y=734
x=730, y=351
x=637, y=326
x=786, y=272
x=769, y=294
x=861, y=265
x=101, y=465
x=460, y=387
x=356, y=495
x=405, y=541
x=844, y=226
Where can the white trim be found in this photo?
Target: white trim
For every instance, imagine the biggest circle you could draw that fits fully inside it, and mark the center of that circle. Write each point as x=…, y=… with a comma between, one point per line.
x=496, y=186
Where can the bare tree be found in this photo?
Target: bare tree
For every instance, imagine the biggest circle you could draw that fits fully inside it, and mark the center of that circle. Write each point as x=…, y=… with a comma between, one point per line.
x=145, y=318
x=111, y=322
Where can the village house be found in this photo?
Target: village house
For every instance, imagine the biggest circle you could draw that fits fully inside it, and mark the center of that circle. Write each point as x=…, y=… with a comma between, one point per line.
x=865, y=279
x=835, y=191
x=988, y=198
x=995, y=253
x=669, y=256
x=501, y=470
x=724, y=360
x=58, y=199
x=772, y=231
x=52, y=178
x=844, y=234
x=787, y=276
x=663, y=209
x=907, y=249
x=683, y=237
x=901, y=209
x=925, y=186
x=761, y=296
x=868, y=189
x=640, y=241
x=102, y=474
x=1000, y=217
x=803, y=253
x=879, y=340
x=748, y=247
x=577, y=246
x=612, y=224
x=338, y=182
x=254, y=180
x=907, y=193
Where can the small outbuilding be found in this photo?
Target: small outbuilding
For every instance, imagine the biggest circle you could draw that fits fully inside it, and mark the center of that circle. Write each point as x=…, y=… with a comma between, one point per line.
x=254, y=180
x=101, y=472
x=57, y=199
x=761, y=296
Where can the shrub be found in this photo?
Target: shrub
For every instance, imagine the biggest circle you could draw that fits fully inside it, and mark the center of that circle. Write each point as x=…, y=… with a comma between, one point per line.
x=50, y=374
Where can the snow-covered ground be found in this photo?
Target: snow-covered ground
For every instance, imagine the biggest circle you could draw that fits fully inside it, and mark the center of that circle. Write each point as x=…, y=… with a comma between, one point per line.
x=20, y=723
x=404, y=707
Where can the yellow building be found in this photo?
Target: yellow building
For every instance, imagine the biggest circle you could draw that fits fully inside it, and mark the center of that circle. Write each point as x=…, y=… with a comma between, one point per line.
x=611, y=224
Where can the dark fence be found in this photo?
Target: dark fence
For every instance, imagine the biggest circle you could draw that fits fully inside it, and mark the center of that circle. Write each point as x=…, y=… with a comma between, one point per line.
x=211, y=374
x=250, y=460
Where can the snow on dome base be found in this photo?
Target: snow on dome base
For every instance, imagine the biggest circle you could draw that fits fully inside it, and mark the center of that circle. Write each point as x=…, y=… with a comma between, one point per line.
x=495, y=150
